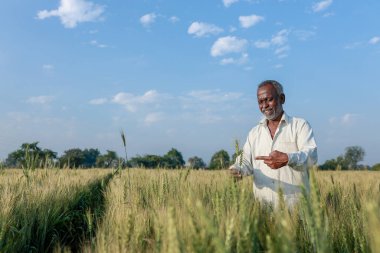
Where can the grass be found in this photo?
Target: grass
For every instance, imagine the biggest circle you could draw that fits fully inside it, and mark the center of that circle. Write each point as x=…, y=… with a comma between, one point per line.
x=50, y=210
x=161, y=210
x=203, y=211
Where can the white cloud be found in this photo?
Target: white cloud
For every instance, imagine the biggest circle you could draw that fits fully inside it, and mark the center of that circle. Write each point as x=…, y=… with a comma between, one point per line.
x=262, y=44
x=226, y=61
x=173, y=19
x=229, y=44
x=153, y=118
x=214, y=96
x=346, y=119
x=47, y=67
x=279, y=42
x=328, y=14
x=98, y=101
x=353, y=45
x=278, y=66
x=281, y=56
x=132, y=102
x=40, y=100
x=322, y=5
x=239, y=61
x=281, y=50
x=374, y=40
x=211, y=106
x=304, y=35
x=228, y=3
x=199, y=29
x=148, y=19
x=232, y=29
x=72, y=12
x=248, y=21
x=97, y=44
x=280, y=38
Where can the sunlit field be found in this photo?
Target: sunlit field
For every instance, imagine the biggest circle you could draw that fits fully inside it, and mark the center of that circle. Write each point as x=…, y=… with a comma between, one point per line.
x=161, y=210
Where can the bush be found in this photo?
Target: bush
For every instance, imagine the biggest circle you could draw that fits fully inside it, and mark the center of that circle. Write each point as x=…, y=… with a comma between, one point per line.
x=376, y=167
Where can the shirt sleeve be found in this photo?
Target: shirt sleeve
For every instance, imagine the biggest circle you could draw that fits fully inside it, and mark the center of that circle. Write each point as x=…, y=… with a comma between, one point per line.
x=307, y=149
x=243, y=163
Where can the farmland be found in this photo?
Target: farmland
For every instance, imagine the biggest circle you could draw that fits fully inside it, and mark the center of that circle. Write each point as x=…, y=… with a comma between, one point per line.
x=162, y=210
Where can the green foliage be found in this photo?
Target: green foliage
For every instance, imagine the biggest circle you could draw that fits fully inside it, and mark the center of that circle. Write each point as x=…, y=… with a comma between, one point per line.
x=376, y=167
x=353, y=156
x=90, y=156
x=72, y=158
x=173, y=159
x=220, y=160
x=333, y=164
x=77, y=158
x=2, y=167
x=238, y=154
x=184, y=211
x=108, y=160
x=18, y=158
x=146, y=161
x=349, y=161
x=29, y=164
x=50, y=213
x=206, y=211
x=196, y=162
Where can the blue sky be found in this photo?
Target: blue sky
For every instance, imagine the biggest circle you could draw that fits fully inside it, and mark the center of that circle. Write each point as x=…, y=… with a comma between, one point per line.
x=184, y=74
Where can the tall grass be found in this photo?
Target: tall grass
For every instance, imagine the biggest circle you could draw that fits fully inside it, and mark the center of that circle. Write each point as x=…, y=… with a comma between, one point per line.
x=50, y=209
x=202, y=211
x=183, y=211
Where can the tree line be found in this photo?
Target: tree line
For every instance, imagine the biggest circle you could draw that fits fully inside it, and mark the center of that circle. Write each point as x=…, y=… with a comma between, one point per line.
x=92, y=158
x=348, y=161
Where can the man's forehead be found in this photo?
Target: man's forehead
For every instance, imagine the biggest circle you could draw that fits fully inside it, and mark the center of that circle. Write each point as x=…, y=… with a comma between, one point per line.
x=264, y=92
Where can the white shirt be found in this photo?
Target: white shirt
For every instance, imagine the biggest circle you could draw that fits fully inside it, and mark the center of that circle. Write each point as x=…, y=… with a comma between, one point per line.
x=294, y=137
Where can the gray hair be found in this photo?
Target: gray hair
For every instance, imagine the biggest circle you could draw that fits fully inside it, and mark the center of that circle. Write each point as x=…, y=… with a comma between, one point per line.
x=275, y=84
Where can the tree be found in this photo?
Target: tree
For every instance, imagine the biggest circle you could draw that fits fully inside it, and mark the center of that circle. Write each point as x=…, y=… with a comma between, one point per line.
x=173, y=159
x=196, y=162
x=348, y=161
x=72, y=158
x=353, y=156
x=147, y=161
x=108, y=160
x=90, y=156
x=329, y=165
x=220, y=160
x=376, y=167
x=18, y=158
x=335, y=164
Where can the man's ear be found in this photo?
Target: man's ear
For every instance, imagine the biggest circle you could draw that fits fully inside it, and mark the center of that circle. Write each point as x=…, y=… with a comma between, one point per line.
x=282, y=99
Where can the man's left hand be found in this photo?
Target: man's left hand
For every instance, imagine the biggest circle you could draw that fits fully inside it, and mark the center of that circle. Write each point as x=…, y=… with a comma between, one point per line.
x=275, y=160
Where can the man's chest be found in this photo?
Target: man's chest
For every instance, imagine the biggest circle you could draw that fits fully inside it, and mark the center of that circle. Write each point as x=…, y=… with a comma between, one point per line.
x=284, y=139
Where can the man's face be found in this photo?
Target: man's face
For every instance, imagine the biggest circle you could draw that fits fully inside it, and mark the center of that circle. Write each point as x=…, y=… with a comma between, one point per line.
x=270, y=103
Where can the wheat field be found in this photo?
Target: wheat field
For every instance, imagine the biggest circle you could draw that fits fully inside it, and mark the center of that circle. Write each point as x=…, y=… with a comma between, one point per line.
x=138, y=210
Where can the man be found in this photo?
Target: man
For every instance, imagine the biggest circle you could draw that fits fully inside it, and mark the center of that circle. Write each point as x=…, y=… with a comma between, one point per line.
x=278, y=151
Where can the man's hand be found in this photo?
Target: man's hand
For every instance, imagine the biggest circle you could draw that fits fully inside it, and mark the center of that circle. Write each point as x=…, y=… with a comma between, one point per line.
x=236, y=174
x=275, y=160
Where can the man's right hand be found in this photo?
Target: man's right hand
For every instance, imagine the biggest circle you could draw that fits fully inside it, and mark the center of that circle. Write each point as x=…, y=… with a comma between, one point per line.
x=236, y=174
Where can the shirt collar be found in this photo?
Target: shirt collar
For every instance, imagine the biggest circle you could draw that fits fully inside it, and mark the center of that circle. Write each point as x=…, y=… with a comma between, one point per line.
x=285, y=117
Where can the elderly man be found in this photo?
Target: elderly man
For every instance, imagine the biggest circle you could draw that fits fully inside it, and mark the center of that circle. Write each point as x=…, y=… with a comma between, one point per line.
x=278, y=151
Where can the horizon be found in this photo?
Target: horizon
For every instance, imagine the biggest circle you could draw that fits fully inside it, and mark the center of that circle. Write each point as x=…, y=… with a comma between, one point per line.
x=184, y=75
